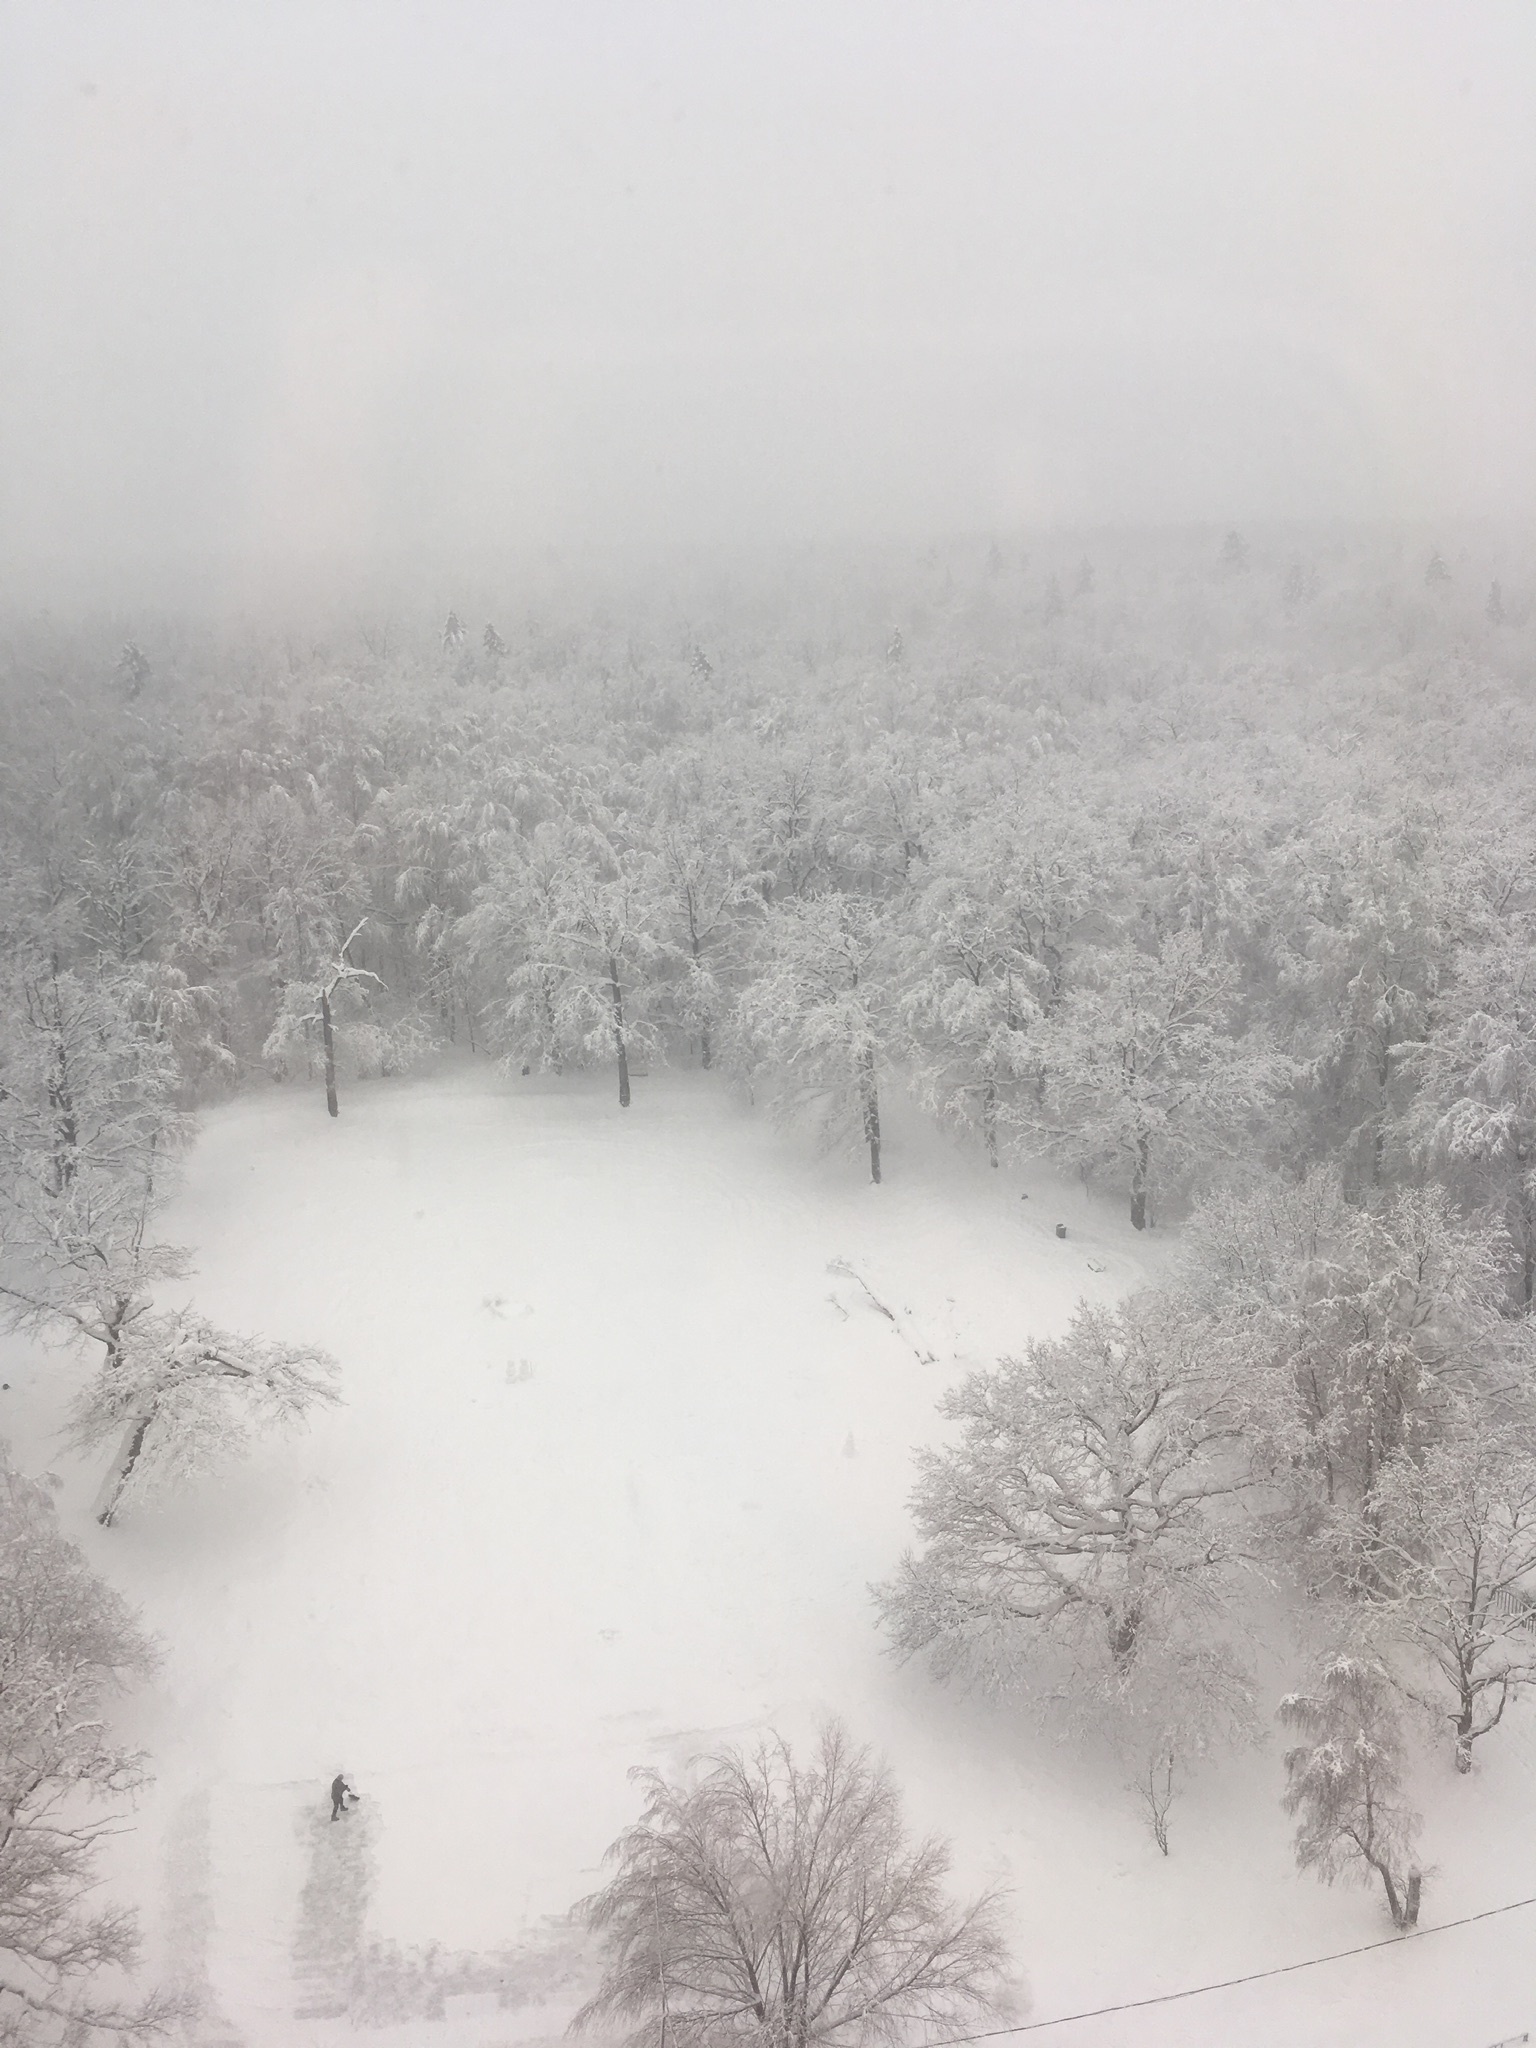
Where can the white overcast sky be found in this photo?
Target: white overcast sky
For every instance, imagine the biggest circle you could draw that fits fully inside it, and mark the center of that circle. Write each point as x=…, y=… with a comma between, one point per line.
x=284, y=281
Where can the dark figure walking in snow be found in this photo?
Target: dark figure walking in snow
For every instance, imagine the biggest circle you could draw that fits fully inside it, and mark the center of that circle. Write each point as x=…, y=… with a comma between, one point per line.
x=341, y=1792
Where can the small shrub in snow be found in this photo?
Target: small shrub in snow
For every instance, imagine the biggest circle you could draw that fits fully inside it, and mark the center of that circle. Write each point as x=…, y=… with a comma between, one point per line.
x=782, y=1900
x=372, y=1048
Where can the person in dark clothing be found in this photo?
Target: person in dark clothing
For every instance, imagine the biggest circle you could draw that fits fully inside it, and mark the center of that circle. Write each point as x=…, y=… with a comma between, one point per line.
x=341, y=1792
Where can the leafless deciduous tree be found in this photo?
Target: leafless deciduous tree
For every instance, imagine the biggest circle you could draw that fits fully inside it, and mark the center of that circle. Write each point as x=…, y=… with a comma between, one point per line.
x=66, y=1642
x=782, y=1902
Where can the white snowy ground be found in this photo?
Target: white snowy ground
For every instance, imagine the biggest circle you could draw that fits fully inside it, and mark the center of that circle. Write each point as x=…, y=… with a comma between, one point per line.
x=611, y=1479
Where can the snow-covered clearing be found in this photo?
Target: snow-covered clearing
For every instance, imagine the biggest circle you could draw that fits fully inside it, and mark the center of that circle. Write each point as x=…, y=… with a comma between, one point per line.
x=618, y=1458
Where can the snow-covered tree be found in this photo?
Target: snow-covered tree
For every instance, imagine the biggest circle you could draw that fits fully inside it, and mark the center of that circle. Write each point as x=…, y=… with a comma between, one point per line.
x=89, y=1127
x=1356, y=1333
x=334, y=1001
x=132, y=671
x=710, y=887
x=180, y=1396
x=88, y=1121
x=1366, y=920
x=782, y=1901
x=1476, y=1081
x=67, y=1644
x=1080, y=1518
x=814, y=1021
x=1183, y=1699
x=570, y=920
x=1453, y=1538
x=982, y=948
x=1146, y=1067
x=791, y=829
x=88, y=1086
x=1344, y=1784
x=305, y=884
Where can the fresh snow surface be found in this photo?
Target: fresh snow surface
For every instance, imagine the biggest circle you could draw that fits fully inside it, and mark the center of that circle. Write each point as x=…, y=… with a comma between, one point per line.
x=618, y=1459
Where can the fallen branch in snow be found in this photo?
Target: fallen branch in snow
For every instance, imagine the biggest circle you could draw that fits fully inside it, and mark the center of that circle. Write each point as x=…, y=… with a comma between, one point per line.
x=845, y=1270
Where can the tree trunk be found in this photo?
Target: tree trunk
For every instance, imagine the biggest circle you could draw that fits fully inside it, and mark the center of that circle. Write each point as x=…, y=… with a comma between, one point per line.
x=616, y=1001
x=1140, y=1173
x=122, y=1470
x=706, y=1050
x=328, y=1039
x=989, y=1120
x=869, y=1102
x=66, y=1133
x=1124, y=1628
x=1463, y=1726
x=1394, y=1903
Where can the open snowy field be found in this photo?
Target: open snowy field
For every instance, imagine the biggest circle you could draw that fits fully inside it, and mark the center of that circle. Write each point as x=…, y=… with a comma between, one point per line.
x=618, y=1458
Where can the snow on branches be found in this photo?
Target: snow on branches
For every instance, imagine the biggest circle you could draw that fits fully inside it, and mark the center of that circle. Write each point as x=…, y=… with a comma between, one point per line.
x=815, y=1019
x=1344, y=1784
x=181, y=1395
x=783, y=1900
x=1145, y=1067
x=67, y=1643
x=1079, y=1517
x=1451, y=1537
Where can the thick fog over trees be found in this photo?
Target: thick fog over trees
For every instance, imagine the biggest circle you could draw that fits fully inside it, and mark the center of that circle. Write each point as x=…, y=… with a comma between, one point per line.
x=964, y=579
x=340, y=295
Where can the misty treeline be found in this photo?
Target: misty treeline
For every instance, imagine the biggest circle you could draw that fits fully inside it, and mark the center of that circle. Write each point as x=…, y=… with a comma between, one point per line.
x=1207, y=873
x=983, y=834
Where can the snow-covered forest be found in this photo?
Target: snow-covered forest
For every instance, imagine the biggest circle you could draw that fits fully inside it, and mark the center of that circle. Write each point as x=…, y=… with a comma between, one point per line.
x=767, y=1024
x=1194, y=872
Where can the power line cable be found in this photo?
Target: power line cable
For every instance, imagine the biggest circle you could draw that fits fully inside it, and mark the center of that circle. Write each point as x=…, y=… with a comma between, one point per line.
x=1226, y=1983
